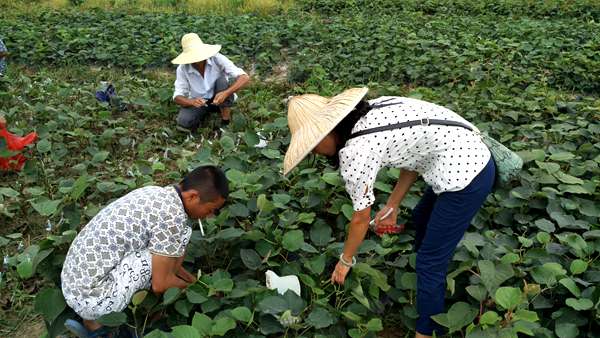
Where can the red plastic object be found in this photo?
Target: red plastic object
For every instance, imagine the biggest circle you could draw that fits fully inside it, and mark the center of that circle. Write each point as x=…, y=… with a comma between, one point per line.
x=392, y=229
x=14, y=143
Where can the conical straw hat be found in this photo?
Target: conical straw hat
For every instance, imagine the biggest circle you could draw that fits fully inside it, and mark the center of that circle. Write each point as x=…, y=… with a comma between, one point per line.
x=311, y=117
x=194, y=50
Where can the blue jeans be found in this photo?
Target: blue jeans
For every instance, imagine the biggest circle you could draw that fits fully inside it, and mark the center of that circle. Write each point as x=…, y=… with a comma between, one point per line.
x=440, y=222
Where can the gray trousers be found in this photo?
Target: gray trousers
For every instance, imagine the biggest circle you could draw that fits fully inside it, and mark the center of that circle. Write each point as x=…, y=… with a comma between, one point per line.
x=190, y=117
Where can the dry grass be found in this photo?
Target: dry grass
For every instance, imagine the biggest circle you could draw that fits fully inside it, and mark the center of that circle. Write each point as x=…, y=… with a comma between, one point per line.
x=260, y=7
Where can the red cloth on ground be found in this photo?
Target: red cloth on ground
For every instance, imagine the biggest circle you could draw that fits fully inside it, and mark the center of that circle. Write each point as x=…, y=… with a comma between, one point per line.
x=14, y=143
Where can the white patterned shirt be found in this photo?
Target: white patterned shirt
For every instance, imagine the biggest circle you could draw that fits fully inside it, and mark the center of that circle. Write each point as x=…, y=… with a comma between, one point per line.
x=448, y=158
x=150, y=218
x=190, y=84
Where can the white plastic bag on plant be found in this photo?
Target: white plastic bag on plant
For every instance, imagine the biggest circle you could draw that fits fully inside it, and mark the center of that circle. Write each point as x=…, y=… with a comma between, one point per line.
x=283, y=283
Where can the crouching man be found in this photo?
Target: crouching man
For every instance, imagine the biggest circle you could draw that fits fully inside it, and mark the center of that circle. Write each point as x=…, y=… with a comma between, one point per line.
x=137, y=242
x=203, y=82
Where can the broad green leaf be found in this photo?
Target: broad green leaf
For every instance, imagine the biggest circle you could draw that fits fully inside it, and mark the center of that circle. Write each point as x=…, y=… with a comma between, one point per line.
x=100, y=156
x=281, y=200
x=548, y=273
x=375, y=325
x=156, y=334
x=493, y=275
x=489, y=318
x=562, y=156
x=250, y=258
x=194, y=296
x=317, y=264
x=348, y=211
x=294, y=302
x=45, y=206
x=229, y=234
x=171, y=295
x=222, y=284
x=333, y=178
x=242, y=314
x=580, y=304
x=543, y=237
x=139, y=297
x=202, y=323
x=545, y=225
x=183, y=306
x=578, y=266
x=271, y=153
x=25, y=269
x=550, y=167
x=477, y=291
x=568, y=179
x=508, y=297
x=113, y=319
x=458, y=316
x=320, y=234
x=408, y=281
x=566, y=330
x=227, y=143
x=79, y=187
x=44, y=146
x=273, y=305
x=377, y=277
x=352, y=316
x=239, y=210
x=185, y=331
x=293, y=240
x=526, y=315
x=571, y=286
x=222, y=325
x=320, y=318
x=235, y=176
x=50, y=303
x=9, y=192
x=533, y=155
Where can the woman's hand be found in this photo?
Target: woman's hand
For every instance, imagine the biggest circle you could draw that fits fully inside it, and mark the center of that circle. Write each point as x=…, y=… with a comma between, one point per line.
x=339, y=274
x=386, y=217
x=385, y=222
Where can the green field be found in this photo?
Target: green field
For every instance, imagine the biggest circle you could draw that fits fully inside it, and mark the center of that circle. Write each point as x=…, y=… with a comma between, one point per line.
x=526, y=72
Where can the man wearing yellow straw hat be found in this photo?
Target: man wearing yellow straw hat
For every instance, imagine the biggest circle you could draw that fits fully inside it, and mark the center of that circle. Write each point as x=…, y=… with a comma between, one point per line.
x=418, y=137
x=202, y=84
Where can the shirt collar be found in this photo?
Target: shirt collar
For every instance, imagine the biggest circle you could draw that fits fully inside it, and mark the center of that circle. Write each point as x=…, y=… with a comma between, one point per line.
x=191, y=69
x=178, y=190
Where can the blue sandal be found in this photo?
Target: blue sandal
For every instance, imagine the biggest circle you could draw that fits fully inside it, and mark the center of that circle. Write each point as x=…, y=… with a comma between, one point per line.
x=80, y=331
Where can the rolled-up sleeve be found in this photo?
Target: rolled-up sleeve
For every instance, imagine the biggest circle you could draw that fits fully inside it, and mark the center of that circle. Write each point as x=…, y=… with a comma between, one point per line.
x=229, y=68
x=182, y=85
x=359, y=170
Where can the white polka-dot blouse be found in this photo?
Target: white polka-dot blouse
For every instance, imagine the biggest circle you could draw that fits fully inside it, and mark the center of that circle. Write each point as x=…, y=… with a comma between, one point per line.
x=448, y=158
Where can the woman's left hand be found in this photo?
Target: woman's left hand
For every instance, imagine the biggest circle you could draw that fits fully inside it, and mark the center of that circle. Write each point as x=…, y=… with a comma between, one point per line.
x=339, y=274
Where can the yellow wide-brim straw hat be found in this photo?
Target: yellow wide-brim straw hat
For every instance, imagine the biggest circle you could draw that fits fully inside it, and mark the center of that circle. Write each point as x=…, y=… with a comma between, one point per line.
x=311, y=117
x=194, y=50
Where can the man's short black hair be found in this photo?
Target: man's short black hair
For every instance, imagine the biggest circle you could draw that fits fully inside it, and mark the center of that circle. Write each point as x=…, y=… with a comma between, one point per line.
x=209, y=181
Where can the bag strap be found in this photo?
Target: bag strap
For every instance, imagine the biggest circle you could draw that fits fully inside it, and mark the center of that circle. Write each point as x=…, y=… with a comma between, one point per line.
x=422, y=122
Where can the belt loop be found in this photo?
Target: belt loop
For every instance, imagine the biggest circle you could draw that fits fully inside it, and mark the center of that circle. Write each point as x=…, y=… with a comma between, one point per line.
x=425, y=122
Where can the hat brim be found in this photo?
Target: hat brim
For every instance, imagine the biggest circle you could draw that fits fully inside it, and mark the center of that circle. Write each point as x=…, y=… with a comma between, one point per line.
x=196, y=55
x=306, y=139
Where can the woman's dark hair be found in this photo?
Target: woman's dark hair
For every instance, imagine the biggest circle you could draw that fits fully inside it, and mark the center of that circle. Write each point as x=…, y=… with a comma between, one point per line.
x=209, y=181
x=344, y=129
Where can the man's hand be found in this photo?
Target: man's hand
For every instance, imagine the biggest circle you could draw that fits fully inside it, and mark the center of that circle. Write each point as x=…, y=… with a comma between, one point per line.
x=339, y=274
x=220, y=97
x=164, y=273
x=186, y=275
x=197, y=102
